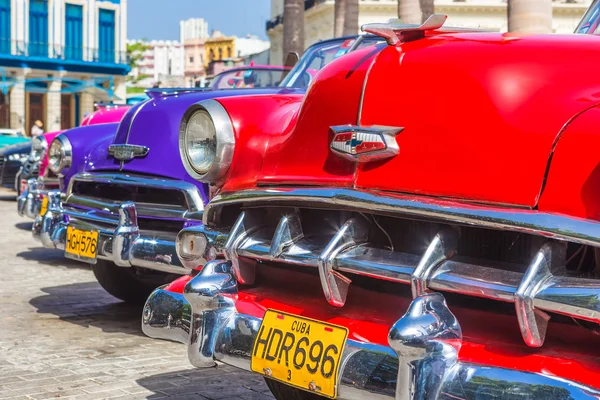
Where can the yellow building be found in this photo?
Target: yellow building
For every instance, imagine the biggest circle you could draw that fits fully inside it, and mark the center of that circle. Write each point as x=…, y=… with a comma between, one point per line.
x=218, y=47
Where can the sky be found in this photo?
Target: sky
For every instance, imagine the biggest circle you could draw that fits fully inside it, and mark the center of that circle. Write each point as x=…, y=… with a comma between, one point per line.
x=159, y=19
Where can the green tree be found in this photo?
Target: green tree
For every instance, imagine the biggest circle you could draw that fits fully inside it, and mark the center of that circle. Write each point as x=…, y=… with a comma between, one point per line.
x=135, y=51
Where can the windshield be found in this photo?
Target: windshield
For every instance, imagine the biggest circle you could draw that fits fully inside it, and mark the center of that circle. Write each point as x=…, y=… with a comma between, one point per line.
x=590, y=21
x=318, y=56
x=249, y=78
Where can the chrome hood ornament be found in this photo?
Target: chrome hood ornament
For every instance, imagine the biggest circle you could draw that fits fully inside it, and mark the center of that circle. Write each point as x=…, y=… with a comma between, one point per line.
x=365, y=144
x=395, y=32
x=127, y=152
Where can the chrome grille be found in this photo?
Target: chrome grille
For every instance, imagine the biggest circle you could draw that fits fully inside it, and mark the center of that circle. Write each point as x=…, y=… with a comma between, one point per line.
x=153, y=197
x=534, y=272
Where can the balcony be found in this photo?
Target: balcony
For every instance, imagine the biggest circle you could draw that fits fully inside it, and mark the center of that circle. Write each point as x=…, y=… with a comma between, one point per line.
x=308, y=4
x=14, y=53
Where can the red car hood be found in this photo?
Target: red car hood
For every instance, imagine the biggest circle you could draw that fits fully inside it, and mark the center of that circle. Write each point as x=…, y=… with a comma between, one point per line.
x=480, y=112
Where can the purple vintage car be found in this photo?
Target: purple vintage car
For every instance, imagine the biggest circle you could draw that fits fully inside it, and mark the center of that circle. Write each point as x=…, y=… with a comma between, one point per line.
x=127, y=195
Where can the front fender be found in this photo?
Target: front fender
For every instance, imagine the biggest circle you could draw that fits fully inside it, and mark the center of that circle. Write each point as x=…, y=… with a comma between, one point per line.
x=572, y=184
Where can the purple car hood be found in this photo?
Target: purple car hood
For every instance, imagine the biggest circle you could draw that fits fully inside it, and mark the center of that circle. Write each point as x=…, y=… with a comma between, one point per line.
x=155, y=124
x=84, y=140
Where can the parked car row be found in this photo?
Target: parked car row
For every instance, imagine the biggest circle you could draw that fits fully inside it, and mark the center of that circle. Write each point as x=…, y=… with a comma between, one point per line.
x=412, y=214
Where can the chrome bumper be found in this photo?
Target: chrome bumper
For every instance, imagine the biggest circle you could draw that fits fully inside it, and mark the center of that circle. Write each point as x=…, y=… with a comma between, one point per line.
x=119, y=239
x=421, y=361
x=29, y=201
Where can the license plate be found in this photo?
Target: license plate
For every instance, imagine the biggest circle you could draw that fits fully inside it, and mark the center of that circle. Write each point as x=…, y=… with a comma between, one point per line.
x=44, y=206
x=81, y=245
x=299, y=351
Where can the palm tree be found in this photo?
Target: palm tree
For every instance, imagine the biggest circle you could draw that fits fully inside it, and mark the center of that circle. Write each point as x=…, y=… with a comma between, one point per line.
x=409, y=11
x=350, y=17
x=427, y=9
x=529, y=16
x=339, y=15
x=293, y=27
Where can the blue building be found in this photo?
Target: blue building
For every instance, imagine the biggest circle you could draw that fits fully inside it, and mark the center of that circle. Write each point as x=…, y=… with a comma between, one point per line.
x=59, y=57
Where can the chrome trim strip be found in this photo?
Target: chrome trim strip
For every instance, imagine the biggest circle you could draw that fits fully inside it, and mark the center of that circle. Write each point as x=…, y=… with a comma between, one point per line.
x=534, y=222
x=426, y=339
x=364, y=89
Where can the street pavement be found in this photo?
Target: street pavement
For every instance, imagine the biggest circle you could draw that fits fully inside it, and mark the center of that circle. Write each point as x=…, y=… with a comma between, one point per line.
x=62, y=336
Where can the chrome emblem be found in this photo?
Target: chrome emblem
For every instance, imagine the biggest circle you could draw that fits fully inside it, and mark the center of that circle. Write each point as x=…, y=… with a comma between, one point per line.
x=127, y=152
x=364, y=144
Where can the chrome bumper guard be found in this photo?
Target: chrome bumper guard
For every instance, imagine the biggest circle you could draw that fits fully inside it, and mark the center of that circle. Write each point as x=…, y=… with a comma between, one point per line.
x=119, y=239
x=421, y=361
x=29, y=201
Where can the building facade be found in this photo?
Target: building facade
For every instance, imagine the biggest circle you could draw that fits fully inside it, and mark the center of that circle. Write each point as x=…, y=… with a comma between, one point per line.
x=195, y=70
x=218, y=47
x=193, y=28
x=59, y=57
x=483, y=14
x=168, y=63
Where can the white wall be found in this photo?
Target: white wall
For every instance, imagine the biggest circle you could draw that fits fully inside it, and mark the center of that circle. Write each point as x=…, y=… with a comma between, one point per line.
x=193, y=28
x=250, y=45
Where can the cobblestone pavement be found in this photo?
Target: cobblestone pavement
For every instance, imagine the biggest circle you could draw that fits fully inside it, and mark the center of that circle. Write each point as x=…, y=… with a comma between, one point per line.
x=62, y=336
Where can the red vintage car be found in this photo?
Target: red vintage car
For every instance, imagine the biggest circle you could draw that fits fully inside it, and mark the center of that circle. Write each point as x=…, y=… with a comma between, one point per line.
x=424, y=224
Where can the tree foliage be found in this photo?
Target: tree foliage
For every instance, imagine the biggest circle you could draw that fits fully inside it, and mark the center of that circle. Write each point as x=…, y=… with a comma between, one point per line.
x=135, y=51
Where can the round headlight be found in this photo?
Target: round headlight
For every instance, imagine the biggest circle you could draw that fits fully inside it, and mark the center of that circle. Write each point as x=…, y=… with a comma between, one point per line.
x=59, y=154
x=206, y=141
x=200, y=141
x=38, y=148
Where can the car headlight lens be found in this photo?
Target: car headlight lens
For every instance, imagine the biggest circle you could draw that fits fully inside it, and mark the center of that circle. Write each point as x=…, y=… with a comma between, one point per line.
x=38, y=148
x=206, y=141
x=201, y=141
x=59, y=154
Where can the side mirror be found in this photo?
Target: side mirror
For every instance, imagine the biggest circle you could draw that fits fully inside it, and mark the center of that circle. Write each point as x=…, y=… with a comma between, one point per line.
x=291, y=60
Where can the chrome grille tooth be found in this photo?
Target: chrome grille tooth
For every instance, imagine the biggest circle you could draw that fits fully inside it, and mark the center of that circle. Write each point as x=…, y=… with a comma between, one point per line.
x=533, y=322
x=335, y=285
x=542, y=289
x=239, y=234
x=442, y=247
x=288, y=231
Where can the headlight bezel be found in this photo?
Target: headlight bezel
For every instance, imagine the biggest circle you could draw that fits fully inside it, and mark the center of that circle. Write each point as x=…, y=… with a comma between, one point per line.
x=224, y=136
x=39, y=148
x=65, y=152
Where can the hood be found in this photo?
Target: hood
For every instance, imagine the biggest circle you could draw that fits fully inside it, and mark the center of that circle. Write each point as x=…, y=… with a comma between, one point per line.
x=18, y=148
x=10, y=140
x=155, y=124
x=84, y=140
x=480, y=115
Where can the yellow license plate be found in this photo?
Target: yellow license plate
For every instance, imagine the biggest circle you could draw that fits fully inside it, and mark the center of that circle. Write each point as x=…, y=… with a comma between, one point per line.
x=44, y=206
x=81, y=245
x=299, y=351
